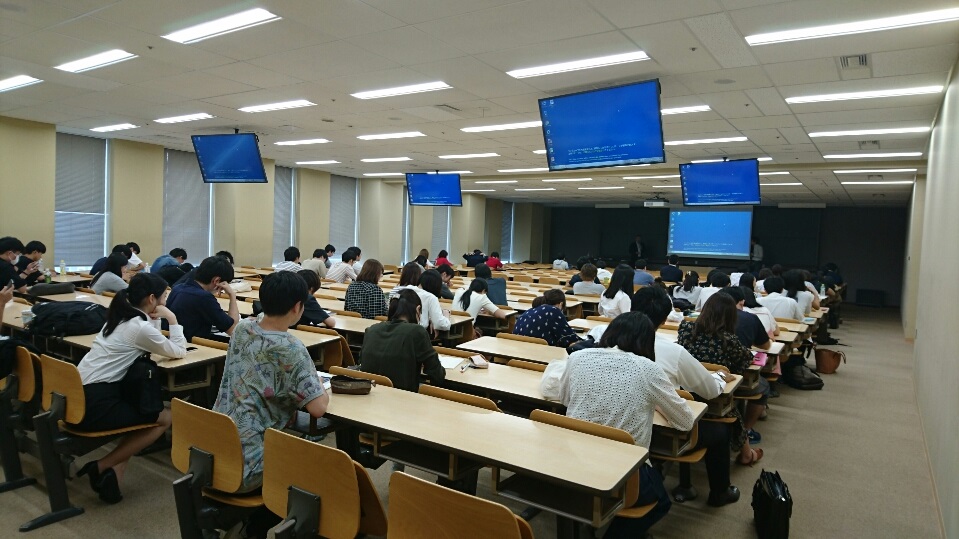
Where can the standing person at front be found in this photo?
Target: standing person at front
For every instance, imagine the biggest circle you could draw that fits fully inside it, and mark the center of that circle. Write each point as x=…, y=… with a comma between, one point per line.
x=622, y=371
x=197, y=307
x=132, y=329
x=637, y=249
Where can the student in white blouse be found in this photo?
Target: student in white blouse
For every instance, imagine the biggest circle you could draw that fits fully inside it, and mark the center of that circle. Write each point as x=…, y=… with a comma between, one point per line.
x=132, y=329
x=473, y=300
x=617, y=298
x=134, y=264
x=719, y=281
x=794, y=284
x=779, y=305
x=690, y=288
x=428, y=287
x=752, y=306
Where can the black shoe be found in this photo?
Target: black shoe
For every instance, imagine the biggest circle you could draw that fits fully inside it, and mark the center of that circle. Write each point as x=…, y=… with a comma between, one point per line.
x=773, y=392
x=730, y=495
x=109, y=487
x=91, y=468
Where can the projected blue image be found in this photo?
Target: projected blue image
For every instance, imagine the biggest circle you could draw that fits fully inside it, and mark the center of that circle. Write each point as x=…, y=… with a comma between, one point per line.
x=712, y=234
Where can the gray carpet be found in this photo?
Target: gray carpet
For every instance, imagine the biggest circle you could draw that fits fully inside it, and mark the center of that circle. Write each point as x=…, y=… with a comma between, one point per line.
x=852, y=455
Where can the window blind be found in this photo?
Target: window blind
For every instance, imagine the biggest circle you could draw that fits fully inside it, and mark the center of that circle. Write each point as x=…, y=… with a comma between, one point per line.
x=506, y=242
x=80, y=207
x=441, y=230
x=405, y=253
x=186, y=206
x=282, y=212
x=342, y=212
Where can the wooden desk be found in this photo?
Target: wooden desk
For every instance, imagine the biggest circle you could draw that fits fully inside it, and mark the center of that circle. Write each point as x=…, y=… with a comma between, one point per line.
x=492, y=347
x=75, y=279
x=245, y=307
x=78, y=296
x=316, y=343
x=584, y=326
x=11, y=315
x=331, y=304
x=793, y=326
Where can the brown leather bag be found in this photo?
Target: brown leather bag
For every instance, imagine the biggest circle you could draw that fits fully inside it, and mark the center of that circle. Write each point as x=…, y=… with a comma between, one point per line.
x=827, y=361
x=351, y=386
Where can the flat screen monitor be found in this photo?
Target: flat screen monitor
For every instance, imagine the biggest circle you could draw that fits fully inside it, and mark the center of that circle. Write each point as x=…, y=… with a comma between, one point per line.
x=722, y=183
x=434, y=189
x=723, y=233
x=604, y=128
x=229, y=158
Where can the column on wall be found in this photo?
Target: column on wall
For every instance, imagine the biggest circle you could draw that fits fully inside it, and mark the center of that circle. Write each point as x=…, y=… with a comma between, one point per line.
x=28, y=176
x=380, y=220
x=910, y=285
x=136, y=196
x=494, y=226
x=312, y=210
x=421, y=232
x=243, y=219
x=468, y=226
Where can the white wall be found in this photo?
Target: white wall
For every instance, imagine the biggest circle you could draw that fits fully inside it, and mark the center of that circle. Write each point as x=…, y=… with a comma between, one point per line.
x=910, y=284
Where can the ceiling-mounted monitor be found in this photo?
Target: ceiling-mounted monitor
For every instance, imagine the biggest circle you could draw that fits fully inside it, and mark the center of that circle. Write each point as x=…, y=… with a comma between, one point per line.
x=434, y=189
x=229, y=158
x=719, y=184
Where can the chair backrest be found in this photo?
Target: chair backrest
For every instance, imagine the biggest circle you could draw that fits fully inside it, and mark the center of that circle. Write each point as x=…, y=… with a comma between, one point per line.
x=212, y=432
x=63, y=378
x=456, y=396
x=413, y=512
x=528, y=365
x=347, y=313
x=85, y=290
x=390, y=267
x=329, y=475
x=109, y=294
x=378, y=378
x=523, y=338
x=381, y=318
x=18, y=299
x=250, y=300
x=324, y=296
x=520, y=278
x=210, y=343
x=24, y=366
x=524, y=299
x=499, y=275
x=548, y=280
x=267, y=269
x=248, y=267
x=524, y=294
x=341, y=357
x=453, y=352
x=600, y=318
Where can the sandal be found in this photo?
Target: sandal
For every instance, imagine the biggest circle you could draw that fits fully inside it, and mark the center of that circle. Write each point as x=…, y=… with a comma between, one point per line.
x=757, y=455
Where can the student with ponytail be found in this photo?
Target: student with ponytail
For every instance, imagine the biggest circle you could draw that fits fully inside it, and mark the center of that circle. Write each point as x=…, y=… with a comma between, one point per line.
x=474, y=301
x=132, y=329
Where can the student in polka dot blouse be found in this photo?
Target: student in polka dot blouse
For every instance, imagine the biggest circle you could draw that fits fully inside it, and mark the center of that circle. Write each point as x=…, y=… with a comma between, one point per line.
x=547, y=321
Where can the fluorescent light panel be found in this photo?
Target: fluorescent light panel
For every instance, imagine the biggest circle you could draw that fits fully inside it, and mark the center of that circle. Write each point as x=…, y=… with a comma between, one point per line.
x=871, y=94
x=577, y=65
x=403, y=90
x=116, y=127
x=875, y=171
x=540, y=169
x=872, y=155
x=97, y=60
x=469, y=155
x=599, y=188
x=540, y=152
x=301, y=142
x=651, y=177
x=720, y=160
x=17, y=82
x=896, y=182
x=497, y=181
x=892, y=131
x=385, y=159
x=451, y=172
x=844, y=29
x=704, y=141
x=570, y=180
x=327, y=162
x=777, y=173
x=384, y=136
x=501, y=127
x=384, y=174
x=184, y=118
x=684, y=110
x=536, y=189
x=668, y=186
x=295, y=104
x=780, y=184
x=478, y=190
x=223, y=25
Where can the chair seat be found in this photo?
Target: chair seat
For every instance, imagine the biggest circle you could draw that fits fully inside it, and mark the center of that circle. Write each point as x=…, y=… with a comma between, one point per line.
x=689, y=457
x=757, y=396
x=101, y=433
x=253, y=499
x=720, y=419
x=636, y=512
x=367, y=439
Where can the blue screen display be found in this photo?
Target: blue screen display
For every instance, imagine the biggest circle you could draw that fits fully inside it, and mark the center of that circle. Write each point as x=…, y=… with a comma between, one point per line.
x=713, y=184
x=434, y=189
x=710, y=233
x=229, y=158
x=604, y=128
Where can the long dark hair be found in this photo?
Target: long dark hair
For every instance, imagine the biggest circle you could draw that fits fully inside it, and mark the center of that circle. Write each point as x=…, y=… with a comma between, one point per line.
x=718, y=316
x=622, y=280
x=411, y=274
x=479, y=286
x=690, y=281
x=126, y=304
x=404, y=306
x=631, y=332
x=115, y=264
x=750, y=297
x=432, y=282
x=793, y=282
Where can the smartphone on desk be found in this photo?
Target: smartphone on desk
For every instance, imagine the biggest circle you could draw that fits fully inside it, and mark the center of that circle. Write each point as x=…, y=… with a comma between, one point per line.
x=191, y=348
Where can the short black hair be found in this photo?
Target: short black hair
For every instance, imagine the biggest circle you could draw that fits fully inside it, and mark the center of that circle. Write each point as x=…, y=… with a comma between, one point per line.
x=631, y=332
x=774, y=284
x=654, y=302
x=356, y=250
x=349, y=255
x=291, y=253
x=225, y=254
x=735, y=292
x=446, y=269
x=214, y=266
x=311, y=278
x=329, y=248
x=123, y=248
x=673, y=259
x=134, y=246
x=561, y=256
x=35, y=247
x=281, y=291
x=319, y=253
x=178, y=252
x=9, y=243
x=494, y=254
x=482, y=271
x=719, y=280
x=640, y=263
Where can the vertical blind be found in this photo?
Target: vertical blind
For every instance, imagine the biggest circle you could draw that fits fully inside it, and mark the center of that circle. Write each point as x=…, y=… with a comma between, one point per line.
x=405, y=253
x=186, y=206
x=80, y=200
x=282, y=212
x=441, y=231
x=506, y=243
x=342, y=212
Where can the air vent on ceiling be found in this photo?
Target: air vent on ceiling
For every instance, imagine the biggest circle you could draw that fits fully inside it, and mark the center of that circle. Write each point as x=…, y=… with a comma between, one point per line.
x=868, y=144
x=448, y=107
x=874, y=177
x=855, y=61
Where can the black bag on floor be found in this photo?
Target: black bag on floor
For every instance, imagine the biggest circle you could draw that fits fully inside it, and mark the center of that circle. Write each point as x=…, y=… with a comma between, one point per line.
x=66, y=318
x=772, y=506
x=802, y=377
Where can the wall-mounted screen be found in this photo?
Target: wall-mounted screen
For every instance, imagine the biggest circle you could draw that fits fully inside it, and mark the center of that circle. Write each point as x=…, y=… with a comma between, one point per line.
x=229, y=158
x=434, y=189
x=710, y=233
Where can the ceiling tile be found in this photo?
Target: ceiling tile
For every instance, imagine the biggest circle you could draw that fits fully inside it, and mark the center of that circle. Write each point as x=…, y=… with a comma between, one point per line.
x=625, y=13
x=407, y=45
x=728, y=79
x=415, y=11
x=670, y=45
x=936, y=59
x=803, y=71
x=722, y=40
x=252, y=75
x=340, y=19
x=199, y=85
x=323, y=61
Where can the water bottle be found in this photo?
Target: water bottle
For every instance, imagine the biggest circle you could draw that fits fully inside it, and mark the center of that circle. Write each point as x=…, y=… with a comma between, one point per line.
x=63, y=267
x=47, y=277
x=822, y=290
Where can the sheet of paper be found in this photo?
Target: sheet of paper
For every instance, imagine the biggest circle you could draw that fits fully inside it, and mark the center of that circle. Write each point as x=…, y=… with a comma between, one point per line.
x=450, y=362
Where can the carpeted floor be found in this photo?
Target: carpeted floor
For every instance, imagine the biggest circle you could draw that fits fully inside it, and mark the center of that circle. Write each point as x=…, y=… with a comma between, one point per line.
x=852, y=455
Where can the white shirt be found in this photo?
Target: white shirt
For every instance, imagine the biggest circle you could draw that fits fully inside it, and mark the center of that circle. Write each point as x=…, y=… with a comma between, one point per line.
x=692, y=296
x=766, y=317
x=734, y=278
x=619, y=304
x=805, y=299
x=588, y=289
x=341, y=273
x=134, y=261
x=478, y=303
x=757, y=252
x=560, y=264
x=705, y=294
x=110, y=357
x=431, y=311
x=603, y=274
x=287, y=265
x=358, y=267
x=781, y=307
x=759, y=286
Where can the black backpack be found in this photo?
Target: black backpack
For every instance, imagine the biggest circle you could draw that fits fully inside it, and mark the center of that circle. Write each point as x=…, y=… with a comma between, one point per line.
x=66, y=318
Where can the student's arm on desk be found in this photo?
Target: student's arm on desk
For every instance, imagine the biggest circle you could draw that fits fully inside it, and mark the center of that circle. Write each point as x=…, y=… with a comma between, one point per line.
x=427, y=357
x=151, y=340
x=672, y=406
x=330, y=322
x=696, y=378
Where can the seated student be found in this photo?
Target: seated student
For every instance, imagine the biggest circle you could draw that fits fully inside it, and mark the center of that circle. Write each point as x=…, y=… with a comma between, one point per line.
x=409, y=278
x=269, y=376
x=227, y=255
x=547, y=321
x=712, y=339
x=400, y=349
x=748, y=280
x=779, y=305
x=196, y=306
x=447, y=274
x=110, y=278
x=671, y=272
x=690, y=289
x=642, y=277
x=313, y=314
x=317, y=264
x=291, y=260
x=617, y=298
x=343, y=271
x=717, y=281
x=795, y=286
x=443, y=258
x=32, y=254
x=425, y=255
x=497, y=285
x=364, y=296
x=586, y=283
x=176, y=257
x=601, y=272
x=474, y=300
x=831, y=270
x=422, y=262
x=494, y=262
x=329, y=255
x=433, y=317
x=173, y=274
x=358, y=263
x=132, y=329
x=121, y=248
x=10, y=249
x=135, y=263
x=751, y=305
x=749, y=328
x=474, y=258
x=764, y=274
x=619, y=384
x=560, y=263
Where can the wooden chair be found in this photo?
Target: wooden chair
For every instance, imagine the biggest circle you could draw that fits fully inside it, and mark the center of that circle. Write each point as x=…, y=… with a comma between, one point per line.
x=210, y=343
x=268, y=268
x=85, y=290
x=413, y=513
x=520, y=278
x=381, y=318
x=109, y=294
x=347, y=313
x=600, y=319
x=685, y=490
x=523, y=338
x=248, y=267
x=378, y=378
x=206, y=447
x=528, y=365
x=20, y=386
x=332, y=497
x=456, y=396
x=339, y=356
x=549, y=280
x=64, y=404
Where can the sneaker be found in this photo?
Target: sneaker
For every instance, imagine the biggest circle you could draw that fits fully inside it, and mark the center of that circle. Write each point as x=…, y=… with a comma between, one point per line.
x=754, y=437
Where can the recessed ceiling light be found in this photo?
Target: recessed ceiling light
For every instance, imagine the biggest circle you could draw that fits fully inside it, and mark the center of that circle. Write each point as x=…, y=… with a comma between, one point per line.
x=278, y=106
x=385, y=159
x=668, y=186
x=875, y=171
x=704, y=141
x=871, y=94
x=720, y=160
x=893, y=131
x=402, y=90
x=184, y=118
x=478, y=190
x=780, y=184
x=570, y=180
x=685, y=110
x=536, y=189
x=469, y=155
x=576, y=65
x=385, y=136
x=540, y=169
x=497, y=181
x=327, y=162
x=501, y=127
x=599, y=188
x=872, y=155
x=540, y=152
x=301, y=142
x=17, y=82
x=451, y=172
x=631, y=166
x=873, y=25
x=777, y=173
x=116, y=127
x=651, y=177
x=97, y=60
x=895, y=182
x=223, y=25
x=384, y=174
